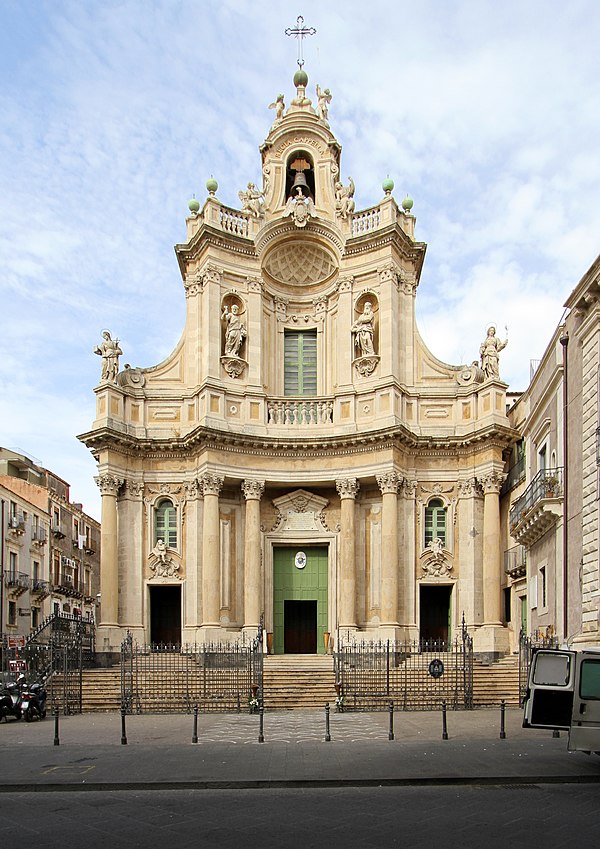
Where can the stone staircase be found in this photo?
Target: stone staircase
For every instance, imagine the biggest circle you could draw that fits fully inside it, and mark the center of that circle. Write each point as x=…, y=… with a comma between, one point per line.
x=496, y=681
x=298, y=681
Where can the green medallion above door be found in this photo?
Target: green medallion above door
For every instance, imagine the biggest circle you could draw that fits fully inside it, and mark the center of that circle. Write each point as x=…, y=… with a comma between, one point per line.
x=300, y=599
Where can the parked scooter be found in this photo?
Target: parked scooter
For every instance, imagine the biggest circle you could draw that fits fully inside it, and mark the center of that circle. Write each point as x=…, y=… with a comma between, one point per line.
x=10, y=701
x=33, y=701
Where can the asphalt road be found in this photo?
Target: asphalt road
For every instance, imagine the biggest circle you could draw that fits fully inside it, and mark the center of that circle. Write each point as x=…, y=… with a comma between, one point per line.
x=479, y=817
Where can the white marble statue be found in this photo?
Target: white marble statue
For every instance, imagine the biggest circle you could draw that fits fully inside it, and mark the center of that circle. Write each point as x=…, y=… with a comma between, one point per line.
x=110, y=352
x=279, y=107
x=160, y=551
x=489, y=351
x=344, y=198
x=363, y=329
x=323, y=101
x=235, y=332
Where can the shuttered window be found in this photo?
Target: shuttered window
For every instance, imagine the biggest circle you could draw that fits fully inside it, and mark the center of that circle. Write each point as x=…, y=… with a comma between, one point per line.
x=435, y=521
x=300, y=362
x=165, y=525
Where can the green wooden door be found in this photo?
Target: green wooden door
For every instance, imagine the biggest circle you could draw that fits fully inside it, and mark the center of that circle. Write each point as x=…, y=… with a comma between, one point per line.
x=304, y=589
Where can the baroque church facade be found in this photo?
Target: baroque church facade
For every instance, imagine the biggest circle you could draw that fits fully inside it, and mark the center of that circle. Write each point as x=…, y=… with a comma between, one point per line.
x=301, y=459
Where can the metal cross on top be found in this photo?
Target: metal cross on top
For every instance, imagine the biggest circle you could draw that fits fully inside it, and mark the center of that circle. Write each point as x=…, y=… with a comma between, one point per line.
x=300, y=31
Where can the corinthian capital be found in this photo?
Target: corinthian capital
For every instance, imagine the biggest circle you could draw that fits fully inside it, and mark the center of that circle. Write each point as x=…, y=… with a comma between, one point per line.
x=347, y=487
x=109, y=484
x=211, y=484
x=492, y=482
x=388, y=482
x=253, y=489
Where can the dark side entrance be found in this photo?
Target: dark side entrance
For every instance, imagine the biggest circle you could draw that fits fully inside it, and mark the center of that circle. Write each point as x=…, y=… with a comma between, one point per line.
x=165, y=615
x=435, y=614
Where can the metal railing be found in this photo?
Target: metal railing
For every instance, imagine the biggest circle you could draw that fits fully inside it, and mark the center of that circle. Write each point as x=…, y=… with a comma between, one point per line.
x=413, y=675
x=16, y=580
x=548, y=483
x=173, y=679
x=515, y=561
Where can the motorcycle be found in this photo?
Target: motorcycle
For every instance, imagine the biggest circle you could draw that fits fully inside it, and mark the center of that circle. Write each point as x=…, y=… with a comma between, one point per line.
x=33, y=701
x=10, y=701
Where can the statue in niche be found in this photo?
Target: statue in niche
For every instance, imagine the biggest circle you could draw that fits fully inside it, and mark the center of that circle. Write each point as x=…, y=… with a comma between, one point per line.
x=489, y=351
x=235, y=332
x=279, y=107
x=252, y=200
x=110, y=352
x=344, y=198
x=323, y=101
x=363, y=329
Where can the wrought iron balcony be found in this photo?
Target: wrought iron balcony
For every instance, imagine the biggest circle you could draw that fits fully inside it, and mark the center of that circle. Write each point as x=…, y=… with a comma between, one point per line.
x=16, y=524
x=16, y=582
x=515, y=561
x=38, y=536
x=39, y=588
x=539, y=507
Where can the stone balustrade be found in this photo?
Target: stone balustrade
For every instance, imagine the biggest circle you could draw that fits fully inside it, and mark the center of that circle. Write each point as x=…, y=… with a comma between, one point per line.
x=234, y=221
x=300, y=413
x=366, y=221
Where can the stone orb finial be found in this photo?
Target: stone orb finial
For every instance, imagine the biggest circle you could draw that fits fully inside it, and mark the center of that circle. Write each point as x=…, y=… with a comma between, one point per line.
x=300, y=78
x=193, y=205
x=388, y=185
x=407, y=203
x=211, y=186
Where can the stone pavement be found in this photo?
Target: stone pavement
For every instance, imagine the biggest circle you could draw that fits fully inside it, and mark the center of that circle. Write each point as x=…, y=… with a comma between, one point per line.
x=160, y=755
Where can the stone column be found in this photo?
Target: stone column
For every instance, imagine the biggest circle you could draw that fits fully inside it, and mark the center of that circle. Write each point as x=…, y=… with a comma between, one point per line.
x=211, y=550
x=109, y=564
x=347, y=489
x=253, y=583
x=130, y=558
x=193, y=545
x=492, y=563
x=388, y=484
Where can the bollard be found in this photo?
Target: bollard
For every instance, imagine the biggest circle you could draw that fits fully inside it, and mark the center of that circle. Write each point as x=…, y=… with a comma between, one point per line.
x=556, y=733
x=261, y=728
x=195, y=731
x=327, y=732
x=123, y=732
x=502, y=720
x=391, y=710
x=56, y=737
x=444, y=725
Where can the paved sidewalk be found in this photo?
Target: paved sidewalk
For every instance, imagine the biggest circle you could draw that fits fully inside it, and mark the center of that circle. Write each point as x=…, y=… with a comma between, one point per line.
x=159, y=753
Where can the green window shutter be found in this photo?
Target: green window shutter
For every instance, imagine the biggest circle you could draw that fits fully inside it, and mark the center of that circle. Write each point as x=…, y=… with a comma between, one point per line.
x=435, y=521
x=165, y=524
x=300, y=362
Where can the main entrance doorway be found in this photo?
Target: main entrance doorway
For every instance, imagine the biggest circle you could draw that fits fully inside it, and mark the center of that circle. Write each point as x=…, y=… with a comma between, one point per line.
x=165, y=615
x=435, y=614
x=299, y=599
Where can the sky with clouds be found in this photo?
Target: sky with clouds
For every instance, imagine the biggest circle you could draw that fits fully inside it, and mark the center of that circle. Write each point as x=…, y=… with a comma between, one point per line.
x=114, y=112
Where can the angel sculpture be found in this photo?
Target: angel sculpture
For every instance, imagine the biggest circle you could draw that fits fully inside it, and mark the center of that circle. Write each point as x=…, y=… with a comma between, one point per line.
x=323, y=101
x=279, y=107
x=344, y=198
x=252, y=200
x=300, y=208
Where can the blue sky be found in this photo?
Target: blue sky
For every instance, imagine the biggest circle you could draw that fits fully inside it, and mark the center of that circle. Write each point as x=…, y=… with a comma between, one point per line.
x=114, y=112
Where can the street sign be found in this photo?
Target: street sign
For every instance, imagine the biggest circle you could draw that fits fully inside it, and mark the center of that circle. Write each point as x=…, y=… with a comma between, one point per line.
x=17, y=666
x=15, y=641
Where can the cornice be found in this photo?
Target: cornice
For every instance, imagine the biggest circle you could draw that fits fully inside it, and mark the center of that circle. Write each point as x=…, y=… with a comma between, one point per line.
x=208, y=235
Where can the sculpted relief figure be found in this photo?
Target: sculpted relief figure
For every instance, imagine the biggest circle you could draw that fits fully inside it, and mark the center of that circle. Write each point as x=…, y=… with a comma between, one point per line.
x=344, y=198
x=323, y=101
x=160, y=551
x=363, y=329
x=110, y=352
x=489, y=351
x=235, y=332
x=252, y=200
x=279, y=107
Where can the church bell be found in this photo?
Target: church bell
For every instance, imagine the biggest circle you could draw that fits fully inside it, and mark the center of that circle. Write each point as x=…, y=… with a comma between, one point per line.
x=300, y=181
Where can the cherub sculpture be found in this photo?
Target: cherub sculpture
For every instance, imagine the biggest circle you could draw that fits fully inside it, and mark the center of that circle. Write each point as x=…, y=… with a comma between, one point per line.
x=344, y=198
x=279, y=107
x=252, y=200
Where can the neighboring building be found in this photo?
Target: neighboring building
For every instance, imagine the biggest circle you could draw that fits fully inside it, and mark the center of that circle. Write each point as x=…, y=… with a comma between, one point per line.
x=301, y=457
x=55, y=548
x=552, y=514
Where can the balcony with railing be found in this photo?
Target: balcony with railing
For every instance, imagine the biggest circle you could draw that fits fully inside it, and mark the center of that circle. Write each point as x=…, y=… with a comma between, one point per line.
x=515, y=561
x=40, y=589
x=305, y=412
x=538, y=508
x=39, y=536
x=16, y=583
x=515, y=475
x=67, y=584
x=16, y=524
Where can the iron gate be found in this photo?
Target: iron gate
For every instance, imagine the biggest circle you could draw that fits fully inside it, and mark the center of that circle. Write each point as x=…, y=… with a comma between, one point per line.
x=414, y=675
x=175, y=678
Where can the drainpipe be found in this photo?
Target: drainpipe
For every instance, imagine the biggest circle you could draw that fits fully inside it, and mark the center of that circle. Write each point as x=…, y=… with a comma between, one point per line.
x=564, y=341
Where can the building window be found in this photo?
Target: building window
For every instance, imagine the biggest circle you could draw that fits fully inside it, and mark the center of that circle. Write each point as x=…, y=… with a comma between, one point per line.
x=13, y=564
x=507, y=605
x=543, y=589
x=12, y=613
x=300, y=362
x=165, y=523
x=36, y=570
x=435, y=521
x=35, y=617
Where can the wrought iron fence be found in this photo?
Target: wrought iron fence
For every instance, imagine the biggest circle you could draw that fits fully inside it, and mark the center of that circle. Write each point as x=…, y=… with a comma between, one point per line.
x=56, y=653
x=527, y=645
x=414, y=675
x=175, y=678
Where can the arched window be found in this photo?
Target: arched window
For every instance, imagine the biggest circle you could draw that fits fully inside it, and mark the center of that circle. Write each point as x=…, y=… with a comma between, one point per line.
x=165, y=523
x=435, y=521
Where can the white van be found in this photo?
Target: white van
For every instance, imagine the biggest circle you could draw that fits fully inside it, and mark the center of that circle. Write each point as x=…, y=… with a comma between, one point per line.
x=564, y=693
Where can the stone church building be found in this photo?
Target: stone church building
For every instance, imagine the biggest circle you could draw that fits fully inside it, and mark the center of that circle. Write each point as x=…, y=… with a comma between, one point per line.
x=301, y=458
